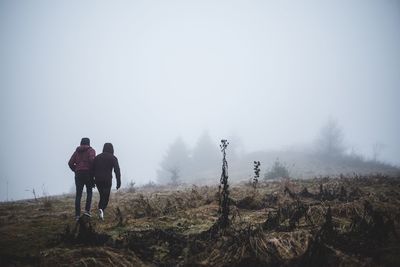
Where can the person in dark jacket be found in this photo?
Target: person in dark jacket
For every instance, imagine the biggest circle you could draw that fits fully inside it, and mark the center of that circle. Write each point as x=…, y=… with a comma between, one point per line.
x=103, y=165
x=81, y=163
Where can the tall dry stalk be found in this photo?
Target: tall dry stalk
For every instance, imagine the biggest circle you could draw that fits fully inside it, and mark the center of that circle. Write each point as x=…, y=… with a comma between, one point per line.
x=223, y=189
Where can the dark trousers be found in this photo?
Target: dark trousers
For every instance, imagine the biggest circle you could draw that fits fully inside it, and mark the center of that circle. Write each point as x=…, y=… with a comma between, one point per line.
x=83, y=179
x=104, y=191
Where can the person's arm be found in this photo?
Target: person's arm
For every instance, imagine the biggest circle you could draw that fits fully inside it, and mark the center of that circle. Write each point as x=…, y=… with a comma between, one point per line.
x=71, y=162
x=92, y=173
x=92, y=155
x=117, y=172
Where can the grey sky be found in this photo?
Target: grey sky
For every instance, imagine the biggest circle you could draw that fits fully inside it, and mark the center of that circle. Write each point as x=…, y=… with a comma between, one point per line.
x=140, y=73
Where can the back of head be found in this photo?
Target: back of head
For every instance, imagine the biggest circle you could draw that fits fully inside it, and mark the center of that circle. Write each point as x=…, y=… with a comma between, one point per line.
x=85, y=141
x=108, y=147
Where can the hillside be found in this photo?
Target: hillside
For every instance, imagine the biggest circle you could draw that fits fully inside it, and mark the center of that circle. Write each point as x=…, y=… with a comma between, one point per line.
x=301, y=165
x=318, y=222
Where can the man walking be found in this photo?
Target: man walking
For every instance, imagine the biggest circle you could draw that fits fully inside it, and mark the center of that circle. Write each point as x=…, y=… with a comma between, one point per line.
x=103, y=165
x=81, y=163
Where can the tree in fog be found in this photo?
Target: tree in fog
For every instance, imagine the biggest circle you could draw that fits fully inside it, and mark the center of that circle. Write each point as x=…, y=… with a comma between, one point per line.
x=377, y=150
x=330, y=140
x=174, y=179
x=205, y=155
x=175, y=162
x=236, y=147
x=278, y=170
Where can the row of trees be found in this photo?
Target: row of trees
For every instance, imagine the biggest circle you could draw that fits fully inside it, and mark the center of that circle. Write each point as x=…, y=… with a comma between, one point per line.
x=330, y=143
x=180, y=161
x=204, y=159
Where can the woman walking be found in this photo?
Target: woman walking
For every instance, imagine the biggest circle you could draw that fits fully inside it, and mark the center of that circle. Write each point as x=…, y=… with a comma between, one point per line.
x=103, y=165
x=81, y=164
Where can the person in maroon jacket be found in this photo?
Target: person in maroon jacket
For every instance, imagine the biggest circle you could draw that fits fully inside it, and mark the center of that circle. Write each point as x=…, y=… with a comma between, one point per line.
x=81, y=163
x=103, y=165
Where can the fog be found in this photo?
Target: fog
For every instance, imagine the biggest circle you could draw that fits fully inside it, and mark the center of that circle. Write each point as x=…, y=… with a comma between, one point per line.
x=140, y=74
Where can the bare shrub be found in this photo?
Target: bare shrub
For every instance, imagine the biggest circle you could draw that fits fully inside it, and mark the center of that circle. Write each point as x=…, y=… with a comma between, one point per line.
x=278, y=170
x=131, y=187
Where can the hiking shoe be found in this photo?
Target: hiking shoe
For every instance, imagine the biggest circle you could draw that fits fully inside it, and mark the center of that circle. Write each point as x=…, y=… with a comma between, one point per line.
x=87, y=213
x=101, y=214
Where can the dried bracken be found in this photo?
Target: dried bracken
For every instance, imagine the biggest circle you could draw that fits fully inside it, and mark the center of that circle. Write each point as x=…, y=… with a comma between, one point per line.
x=342, y=221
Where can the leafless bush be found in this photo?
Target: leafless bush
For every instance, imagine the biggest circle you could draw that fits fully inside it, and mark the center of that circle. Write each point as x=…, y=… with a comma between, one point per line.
x=131, y=187
x=33, y=192
x=46, y=199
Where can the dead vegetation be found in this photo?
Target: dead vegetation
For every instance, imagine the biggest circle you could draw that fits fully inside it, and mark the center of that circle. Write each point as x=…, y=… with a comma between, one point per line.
x=340, y=221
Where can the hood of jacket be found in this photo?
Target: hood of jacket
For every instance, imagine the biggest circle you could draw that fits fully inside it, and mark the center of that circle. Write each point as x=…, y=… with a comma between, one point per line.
x=82, y=148
x=108, y=148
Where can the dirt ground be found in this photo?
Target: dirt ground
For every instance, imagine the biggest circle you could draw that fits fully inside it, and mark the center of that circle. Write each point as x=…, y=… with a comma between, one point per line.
x=341, y=221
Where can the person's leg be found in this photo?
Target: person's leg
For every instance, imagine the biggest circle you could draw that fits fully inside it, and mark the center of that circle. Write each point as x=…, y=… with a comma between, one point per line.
x=100, y=188
x=106, y=193
x=101, y=193
x=78, y=196
x=89, y=193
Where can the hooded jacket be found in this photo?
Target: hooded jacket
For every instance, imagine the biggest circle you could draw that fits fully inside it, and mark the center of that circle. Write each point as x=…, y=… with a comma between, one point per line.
x=82, y=159
x=103, y=165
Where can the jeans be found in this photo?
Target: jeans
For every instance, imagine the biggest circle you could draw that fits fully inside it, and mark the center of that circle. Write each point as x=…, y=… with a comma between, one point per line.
x=83, y=179
x=104, y=191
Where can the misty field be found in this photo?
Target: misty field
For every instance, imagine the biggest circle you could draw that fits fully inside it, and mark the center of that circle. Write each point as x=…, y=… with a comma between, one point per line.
x=320, y=222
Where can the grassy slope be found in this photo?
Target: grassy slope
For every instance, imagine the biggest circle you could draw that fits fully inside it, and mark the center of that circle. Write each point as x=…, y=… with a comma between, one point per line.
x=161, y=225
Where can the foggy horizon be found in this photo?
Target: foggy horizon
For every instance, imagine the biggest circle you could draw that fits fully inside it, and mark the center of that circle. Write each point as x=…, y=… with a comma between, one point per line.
x=140, y=74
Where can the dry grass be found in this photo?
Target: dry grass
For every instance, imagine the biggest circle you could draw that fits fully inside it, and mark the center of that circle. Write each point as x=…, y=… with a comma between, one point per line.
x=279, y=224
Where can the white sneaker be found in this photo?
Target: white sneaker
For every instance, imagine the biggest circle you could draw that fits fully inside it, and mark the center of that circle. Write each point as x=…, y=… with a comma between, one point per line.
x=87, y=213
x=101, y=214
x=77, y=218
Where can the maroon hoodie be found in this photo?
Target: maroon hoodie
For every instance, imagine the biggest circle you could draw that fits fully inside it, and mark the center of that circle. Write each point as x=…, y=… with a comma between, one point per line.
x=82, y=159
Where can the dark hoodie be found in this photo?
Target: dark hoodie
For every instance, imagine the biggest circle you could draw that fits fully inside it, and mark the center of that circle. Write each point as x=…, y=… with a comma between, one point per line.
x=82, y=159
x=103, y=165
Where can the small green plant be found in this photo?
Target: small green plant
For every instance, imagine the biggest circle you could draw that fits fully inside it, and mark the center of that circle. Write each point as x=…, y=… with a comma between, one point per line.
x=278, y=170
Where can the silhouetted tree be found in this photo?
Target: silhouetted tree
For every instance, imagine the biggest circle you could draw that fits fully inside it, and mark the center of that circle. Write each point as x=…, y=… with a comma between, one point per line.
x=330, y=140
x=176, y=159
x=205, y=155
x=174, y=176
x=236, y=147
x=377, y=150
x=278, y=170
